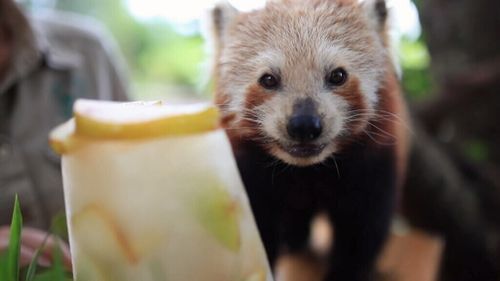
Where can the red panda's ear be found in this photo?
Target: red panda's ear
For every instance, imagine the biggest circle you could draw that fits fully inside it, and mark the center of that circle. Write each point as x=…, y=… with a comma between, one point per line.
x=221, y=16
x=377, y=13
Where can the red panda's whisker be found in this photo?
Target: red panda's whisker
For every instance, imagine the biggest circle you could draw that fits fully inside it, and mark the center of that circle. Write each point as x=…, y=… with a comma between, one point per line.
x=381, y=130
x=373, y=138
x=377, y=115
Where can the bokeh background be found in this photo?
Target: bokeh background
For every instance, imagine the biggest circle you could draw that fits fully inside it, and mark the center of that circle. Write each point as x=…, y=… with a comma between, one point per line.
x=163, y=44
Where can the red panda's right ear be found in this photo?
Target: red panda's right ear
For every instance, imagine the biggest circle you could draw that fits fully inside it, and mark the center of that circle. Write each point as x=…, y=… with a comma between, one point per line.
x=221, y=17
x=377, y=13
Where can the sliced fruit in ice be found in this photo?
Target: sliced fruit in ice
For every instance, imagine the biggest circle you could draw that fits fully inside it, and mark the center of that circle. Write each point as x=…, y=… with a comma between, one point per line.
x=220, y=213
x=133, y=120
x=100, y=236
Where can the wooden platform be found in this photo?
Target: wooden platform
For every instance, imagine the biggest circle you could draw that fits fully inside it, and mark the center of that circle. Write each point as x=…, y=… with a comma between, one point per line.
x=409, y=255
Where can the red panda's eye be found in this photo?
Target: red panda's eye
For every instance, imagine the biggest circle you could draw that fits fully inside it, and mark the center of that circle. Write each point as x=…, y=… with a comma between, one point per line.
x=269, y=81
x=337, y=77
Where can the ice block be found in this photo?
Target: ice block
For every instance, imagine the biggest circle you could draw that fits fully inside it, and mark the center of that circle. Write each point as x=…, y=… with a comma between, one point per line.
x=152, y=192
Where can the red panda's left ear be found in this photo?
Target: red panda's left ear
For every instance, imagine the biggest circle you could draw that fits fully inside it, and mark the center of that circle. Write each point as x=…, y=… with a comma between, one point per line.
x=220, y=18
x=377, y=13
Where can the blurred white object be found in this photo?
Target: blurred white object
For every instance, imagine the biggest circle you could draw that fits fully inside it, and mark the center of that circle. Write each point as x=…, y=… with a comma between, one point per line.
x=150, y=198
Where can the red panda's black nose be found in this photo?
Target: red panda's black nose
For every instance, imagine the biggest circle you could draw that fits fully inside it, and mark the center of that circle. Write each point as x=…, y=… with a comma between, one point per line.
x=304, y=127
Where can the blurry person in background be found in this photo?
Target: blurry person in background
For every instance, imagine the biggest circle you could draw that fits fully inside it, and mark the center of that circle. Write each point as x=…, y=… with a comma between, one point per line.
x=46, y=62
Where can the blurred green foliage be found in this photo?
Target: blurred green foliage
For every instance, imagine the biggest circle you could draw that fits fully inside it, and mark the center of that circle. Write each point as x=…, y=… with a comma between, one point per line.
x=163, y=62
x=476, y=150
x=415, y=62
x=59, y=227
x=160, y=59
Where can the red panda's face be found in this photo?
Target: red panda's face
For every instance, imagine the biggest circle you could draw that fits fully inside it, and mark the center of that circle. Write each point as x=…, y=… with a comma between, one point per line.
x=300, y=79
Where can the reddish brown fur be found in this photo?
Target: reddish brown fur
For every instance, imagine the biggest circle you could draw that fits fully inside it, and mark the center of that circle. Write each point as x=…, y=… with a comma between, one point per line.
x=390, y=125
x=247, y=126
x=351, y=92
x=392, y=101
x=227, y=119
x=256, y=96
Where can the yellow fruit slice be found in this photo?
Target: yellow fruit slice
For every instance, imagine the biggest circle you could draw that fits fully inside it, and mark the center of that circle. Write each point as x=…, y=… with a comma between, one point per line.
x=99, y=235
x=219, y=214
x=62, y=138
x=134, y=120
x=111, y=120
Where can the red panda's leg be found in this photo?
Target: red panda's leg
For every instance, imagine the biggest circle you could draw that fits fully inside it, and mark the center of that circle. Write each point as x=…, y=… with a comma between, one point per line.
x=267, y=225
x=361, y=214
x=260, y=194
x=295, y=226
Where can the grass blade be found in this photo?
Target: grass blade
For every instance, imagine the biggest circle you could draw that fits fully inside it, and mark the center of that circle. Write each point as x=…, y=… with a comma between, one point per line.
x=56, y=272
x=4, y=275
x=14, y=242
x=30, y=274
x=58, y=266
x=45, y=276
x=59, y=227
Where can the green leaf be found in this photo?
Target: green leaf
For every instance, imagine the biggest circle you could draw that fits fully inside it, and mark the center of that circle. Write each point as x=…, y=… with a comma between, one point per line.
x=45, y=276
x=49, y=275
x=30, y=274
x=56, y=272
x=3, y=266
x=58, y=267
x=14, y=242
x=58, y=226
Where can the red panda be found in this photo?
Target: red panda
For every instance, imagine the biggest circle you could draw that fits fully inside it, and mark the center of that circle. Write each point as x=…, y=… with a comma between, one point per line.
x=311, y=103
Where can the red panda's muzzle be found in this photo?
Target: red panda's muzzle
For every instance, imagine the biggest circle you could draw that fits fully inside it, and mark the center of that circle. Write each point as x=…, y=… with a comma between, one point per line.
x=305, y=125
x=304, y=150
x=304, y=128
